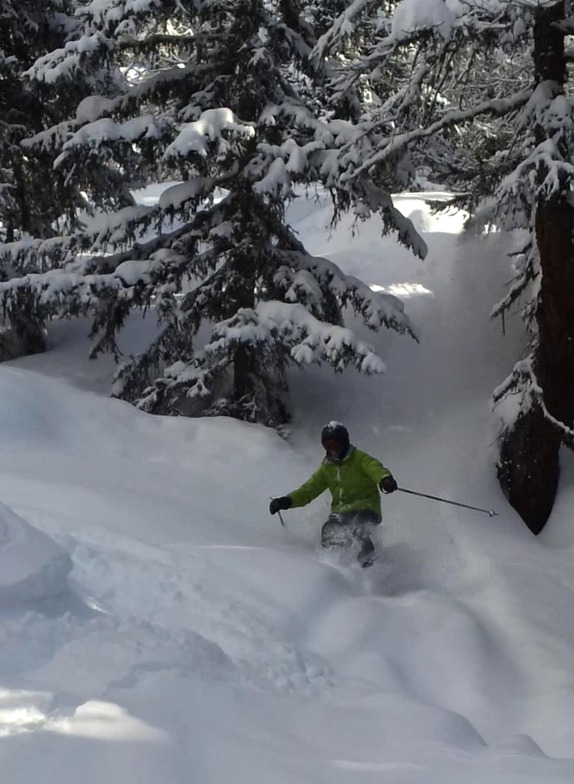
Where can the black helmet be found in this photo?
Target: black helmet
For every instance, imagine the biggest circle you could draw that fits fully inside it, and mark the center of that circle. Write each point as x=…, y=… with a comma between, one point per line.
x=337, y=432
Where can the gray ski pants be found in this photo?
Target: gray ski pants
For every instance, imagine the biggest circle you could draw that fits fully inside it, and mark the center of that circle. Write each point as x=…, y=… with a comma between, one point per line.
x=351, y=529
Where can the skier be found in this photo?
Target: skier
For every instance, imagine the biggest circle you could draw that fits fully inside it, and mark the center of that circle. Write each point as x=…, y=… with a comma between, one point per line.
x=353, y=479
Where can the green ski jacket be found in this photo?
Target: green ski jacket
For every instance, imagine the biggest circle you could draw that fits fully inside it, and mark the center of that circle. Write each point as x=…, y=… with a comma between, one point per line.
x=353, y=483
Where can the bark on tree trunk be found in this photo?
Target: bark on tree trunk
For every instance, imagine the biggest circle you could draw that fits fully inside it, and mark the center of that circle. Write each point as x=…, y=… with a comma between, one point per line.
x=243, y=367
x=529, y=457
x=529, y=468
x=242, y=296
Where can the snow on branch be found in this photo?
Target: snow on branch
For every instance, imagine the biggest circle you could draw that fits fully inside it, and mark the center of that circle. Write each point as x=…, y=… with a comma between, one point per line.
x=549, y=107
x=117, y=229
x=377, y=309
x=416, y=15
x=65, y=63
x=343, y=26
x=36, y=254
x=111, y=13
x=527, y=271
x=101, y=232
x=276, y=180
x=68, y=291
x=541, y=175
x=523, y=380
x=177, y=196
x=308, y=339
x=105, y=130
x=211, y=127
x=375, y=199
x=400, y=141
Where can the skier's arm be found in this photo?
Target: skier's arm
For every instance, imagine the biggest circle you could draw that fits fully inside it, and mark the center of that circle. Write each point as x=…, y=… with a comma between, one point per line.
x=308, y=491
x=372, y=467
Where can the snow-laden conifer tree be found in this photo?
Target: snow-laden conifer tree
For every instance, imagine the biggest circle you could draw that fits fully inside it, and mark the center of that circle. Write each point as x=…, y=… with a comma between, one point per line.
x=29, y=195
x=472, y=94
x=217, y=99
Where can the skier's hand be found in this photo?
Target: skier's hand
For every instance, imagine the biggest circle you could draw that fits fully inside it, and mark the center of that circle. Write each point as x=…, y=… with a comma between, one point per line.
x=388, y=484
x=280, y=503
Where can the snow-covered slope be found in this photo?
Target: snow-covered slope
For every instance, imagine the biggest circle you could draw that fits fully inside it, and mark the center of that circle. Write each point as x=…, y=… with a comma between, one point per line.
x=198, y=640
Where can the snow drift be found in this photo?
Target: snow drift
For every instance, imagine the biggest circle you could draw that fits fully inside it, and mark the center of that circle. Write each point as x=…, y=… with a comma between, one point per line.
x=32, y=566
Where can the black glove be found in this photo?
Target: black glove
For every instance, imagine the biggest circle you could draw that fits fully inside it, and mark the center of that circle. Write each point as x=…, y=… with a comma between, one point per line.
x=388, y=484
x=280, y=503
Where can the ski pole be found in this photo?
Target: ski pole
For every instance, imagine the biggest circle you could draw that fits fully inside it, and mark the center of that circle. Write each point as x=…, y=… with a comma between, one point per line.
x=489, y=512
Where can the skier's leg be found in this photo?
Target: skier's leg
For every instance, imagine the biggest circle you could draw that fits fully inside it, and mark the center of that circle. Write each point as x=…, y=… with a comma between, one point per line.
x=332, y=533
x=350, y=531
x=366, y=556
x=340, y=532
x=364, y=522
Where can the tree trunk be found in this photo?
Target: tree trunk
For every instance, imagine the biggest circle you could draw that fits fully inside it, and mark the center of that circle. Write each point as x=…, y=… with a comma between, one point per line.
x=242, y=295
x=529, y=458
x=243, y=367
x=528, y=467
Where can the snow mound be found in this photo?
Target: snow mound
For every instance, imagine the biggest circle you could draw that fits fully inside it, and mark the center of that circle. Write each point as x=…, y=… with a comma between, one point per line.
x=32, y=565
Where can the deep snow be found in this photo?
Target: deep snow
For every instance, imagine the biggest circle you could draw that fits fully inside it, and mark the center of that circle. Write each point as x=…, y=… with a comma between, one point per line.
x=196, y=640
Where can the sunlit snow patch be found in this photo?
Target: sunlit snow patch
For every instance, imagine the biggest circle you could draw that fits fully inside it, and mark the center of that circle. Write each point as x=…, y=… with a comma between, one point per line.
x=22, y=711
x=106, y=721
x=403, y=290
